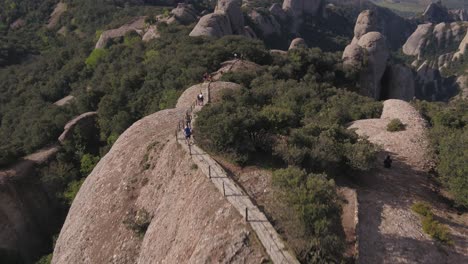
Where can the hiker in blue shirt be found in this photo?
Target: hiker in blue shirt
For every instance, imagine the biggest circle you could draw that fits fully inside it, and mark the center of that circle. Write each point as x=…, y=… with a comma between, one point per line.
x=188, y=134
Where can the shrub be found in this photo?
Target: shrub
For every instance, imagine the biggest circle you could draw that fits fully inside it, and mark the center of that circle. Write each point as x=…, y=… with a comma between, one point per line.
x=194, y=167
x=395, y=125
x=431, y=226
x=88, y=162
x=72, y=190
x=138, y=221
x=95, y=57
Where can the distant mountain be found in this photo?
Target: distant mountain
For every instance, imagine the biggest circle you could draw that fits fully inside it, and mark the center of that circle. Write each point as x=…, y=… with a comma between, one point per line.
x=417, y=6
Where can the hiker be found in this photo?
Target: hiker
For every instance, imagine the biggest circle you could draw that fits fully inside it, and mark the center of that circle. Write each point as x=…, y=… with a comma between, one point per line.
x=205, y=77
x=388, y=162
x=188, y=134
x=200, y=99
x=236, y=56
x=188, y=120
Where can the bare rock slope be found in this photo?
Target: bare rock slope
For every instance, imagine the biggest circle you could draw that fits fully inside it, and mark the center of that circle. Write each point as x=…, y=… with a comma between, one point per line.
x=388, y=231
x=147, y=176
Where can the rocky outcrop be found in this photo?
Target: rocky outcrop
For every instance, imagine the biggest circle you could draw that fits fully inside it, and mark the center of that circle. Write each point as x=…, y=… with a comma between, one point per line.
x=462, y=48
x=298, y=43
x=459, y=14
x=398, y=83
x=416, y=41
x=226, y=20
x=151, y=33
x=232, y=9
x=27, y=217
x=184, y=13
x=436, y=13
x=431, y=86
x=84, y=120
x=212, y=25
x=395, y=28
x=236, y=66
x=19, y=23
x=265, y=23
x=298, y=8
x=137, y=25
x=146, y=176
x=65, y=101
x=277, y=11
x=60, y=8
x=369, y=56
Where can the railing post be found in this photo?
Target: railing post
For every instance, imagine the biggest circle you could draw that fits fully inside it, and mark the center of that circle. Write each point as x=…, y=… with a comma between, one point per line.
x=209, y=93
x=224, y=190
x=190, y=148
x=209, y=172
x=246, y=214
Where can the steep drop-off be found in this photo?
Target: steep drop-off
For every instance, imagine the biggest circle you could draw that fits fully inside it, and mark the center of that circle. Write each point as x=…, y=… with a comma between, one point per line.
x=147, y=177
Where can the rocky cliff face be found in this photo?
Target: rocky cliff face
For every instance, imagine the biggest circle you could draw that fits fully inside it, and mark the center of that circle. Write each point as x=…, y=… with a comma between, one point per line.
x=145, y=202
x=27, y=217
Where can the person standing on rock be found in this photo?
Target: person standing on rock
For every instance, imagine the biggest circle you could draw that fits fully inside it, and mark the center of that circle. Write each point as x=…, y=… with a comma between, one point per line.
x=188, y=134
x=188, y=120
x=388, y=162
x=200, y=99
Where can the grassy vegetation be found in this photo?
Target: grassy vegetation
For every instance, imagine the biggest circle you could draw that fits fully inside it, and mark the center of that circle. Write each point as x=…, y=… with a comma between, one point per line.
x=431, y=226
x=395, y=125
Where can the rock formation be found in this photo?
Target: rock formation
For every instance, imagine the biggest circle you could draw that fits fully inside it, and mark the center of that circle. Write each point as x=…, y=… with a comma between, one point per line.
x=184, y=13
x=265, y=23
x=65, y=101
x=416, y=41
x=136, y=25
x=236, y=66
x=28, y=218
x=85, y=120
x=369, y=56
x=145, y=203
x=395, y=28
x=212, y=25
x=151, y=33
x=277, y=11
x=60, y=8
x=298, y=8
x=462, y=48
x=398, y=83
x=431, y=86
x=232, y=9
x=298, y=43
x=434, y=38
x=227, y=19
x=436, y=13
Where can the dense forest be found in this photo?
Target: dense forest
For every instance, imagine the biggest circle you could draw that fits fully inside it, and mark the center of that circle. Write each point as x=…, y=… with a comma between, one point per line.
x=295, y=112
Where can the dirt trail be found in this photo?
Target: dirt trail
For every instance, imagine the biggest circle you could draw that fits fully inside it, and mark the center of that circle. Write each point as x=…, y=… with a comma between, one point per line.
x=388, y=231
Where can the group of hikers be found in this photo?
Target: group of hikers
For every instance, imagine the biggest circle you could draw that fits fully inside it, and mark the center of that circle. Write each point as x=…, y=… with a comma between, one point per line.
x=188, y=119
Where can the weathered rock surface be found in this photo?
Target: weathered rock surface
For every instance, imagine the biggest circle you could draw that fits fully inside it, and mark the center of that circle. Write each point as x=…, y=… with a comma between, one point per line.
x=298, y=43
x=265, y=23
x=19, y=23
x=184, y=13
x=64, y=101
x=277, y=11
x=462, y=48
x=298, y=8
x=429, y=38
x=60, y=8
x=27, y=217
x=353, y=56
x=189, y=221
x=151, y=33
x=416, y=41
x=398, y=83
x=431, y=86
x=212, y=25
x=436, y=13
x=236, y=66
x=136, y=25
x=395, y=28
x=232, y=9
x=459, y=14
x=85, y=120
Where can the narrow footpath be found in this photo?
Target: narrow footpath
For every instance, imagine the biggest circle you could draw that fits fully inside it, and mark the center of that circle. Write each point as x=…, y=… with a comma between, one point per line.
x=270, y=239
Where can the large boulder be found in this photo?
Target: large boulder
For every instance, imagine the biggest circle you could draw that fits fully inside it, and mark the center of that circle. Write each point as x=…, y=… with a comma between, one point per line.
x=232, y=9
x=184, y=13
x=277, y=11
x=367, y=22
x=212, y=25
x=398, y=83
x=462, y=48
x=265, y=23
x=298, y=43
x=302, y=7
x=417, y=40
x=136, y=25
x=375, y=63
x=432, y=86
x=437, y=13
x=395, y=28
x=353, y=56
